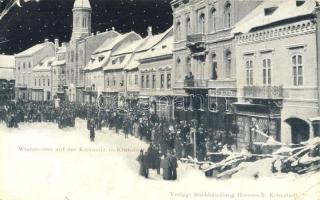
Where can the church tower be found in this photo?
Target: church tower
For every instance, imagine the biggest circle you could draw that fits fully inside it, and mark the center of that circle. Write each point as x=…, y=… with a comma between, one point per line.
x=81, y=19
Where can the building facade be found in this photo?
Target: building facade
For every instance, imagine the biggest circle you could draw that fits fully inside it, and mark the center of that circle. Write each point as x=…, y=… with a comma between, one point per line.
x=7, y=80
x=155, y=72
x=205, y=68
x=277, y=71
x=24, y=64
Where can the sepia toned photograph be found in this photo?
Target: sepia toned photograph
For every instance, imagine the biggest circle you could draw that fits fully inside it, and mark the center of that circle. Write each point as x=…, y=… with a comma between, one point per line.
x=159, y=99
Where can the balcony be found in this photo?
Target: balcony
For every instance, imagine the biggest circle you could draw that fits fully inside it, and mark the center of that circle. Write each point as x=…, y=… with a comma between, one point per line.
x=263, y=92
x=196, y=83
x=196, y=42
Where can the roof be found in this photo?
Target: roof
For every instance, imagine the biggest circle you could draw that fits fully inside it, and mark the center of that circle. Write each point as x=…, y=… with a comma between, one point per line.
x=44, y=65
x=118, y=62
x=132, y=47
x=62, y=49
x=98, y=60
x=284, y=9
x=165, y=47
x=7, y=61
x=33, y=50
x=109, y=44
x=154, y=40
x=82, y=4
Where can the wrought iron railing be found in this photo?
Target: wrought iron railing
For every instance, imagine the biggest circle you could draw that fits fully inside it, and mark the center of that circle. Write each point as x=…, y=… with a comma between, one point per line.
x=195, y=83
x=263, y=92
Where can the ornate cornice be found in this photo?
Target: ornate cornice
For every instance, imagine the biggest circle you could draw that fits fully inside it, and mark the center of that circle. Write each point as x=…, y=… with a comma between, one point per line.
x=289, y=30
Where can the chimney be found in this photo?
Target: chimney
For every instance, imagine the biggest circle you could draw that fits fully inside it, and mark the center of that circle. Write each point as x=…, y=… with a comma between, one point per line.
x=92, y=34
x=46, y=40
x=56, y=43
x=149, y=30
x=113, y=28
x=63, y=44
x=97, y=32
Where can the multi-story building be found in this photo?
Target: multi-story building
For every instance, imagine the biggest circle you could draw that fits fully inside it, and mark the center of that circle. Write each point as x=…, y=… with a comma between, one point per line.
x=42, y=80
x=24, y=64
x=80, y=48
x=155, y=71
x=204, y=59
x=7, y=80
x=132, y=72
x=58, y=72
x=94, y=75
x=277, y=56
x=114, y=74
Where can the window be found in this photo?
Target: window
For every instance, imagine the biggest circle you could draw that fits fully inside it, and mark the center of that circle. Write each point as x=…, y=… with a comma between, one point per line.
x=228, y=64
x=202, y=23
x=142, y=81
x=24, y=65
x=162, y=81
x=39, y=82
x=72, y=56
x=177, y=70
x=153, y=81
x=136, y=77
x=108, y=81
x=249, y=72
x=188, y=64
x=297, y=70
x=29, y=65
x=130, y=79
x=48, y=82
x=228, y=105
x=168, y=81
x=266, y=71
x=43, y=81
x=213, y=20
x=214, y=75
x=178, y=30
x=188, y=26
x=147, y=81
x=114, y=81
x=227, y=13
x=35, y=82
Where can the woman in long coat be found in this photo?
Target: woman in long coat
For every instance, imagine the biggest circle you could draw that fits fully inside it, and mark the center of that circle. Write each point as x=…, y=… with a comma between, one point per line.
x=165, y=165
x=142, y=161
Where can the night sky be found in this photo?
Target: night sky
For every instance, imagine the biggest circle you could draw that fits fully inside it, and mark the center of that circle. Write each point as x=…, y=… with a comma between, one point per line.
x=24, y=27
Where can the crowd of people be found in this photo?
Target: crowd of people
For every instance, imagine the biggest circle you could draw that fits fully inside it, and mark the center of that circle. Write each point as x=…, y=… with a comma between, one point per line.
x=170, y=139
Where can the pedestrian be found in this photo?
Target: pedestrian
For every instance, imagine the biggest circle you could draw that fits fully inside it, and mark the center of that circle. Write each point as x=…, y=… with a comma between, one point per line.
x=173, y=163
x=142, y=161
x=92, y=132
x=165, y=167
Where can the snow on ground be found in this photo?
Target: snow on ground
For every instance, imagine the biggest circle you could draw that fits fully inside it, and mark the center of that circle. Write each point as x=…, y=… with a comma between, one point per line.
x=64, y=165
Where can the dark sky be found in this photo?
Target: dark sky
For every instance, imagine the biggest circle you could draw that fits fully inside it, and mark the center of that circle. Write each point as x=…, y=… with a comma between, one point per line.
x=24, y=27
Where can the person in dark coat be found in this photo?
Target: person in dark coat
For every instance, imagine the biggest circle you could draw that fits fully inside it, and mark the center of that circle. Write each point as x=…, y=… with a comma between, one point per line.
x=142, y=161
x=173, y=163
x=92, y=132
x=165, y=167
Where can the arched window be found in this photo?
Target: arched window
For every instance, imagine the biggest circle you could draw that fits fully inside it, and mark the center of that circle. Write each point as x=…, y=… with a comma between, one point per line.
x=213, y=20
x=214, y=74
x=178, y=73
x=178, y=30
x=228, y=64
x=188, y=26
x=297, y=69
x=227, y=13
x=202, y=23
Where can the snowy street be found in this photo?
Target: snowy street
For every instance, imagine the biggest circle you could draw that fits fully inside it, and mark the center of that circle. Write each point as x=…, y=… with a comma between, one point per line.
x=40, y=161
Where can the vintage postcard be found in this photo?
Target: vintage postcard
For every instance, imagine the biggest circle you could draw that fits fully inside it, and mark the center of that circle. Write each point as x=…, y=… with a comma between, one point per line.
x=159, y=99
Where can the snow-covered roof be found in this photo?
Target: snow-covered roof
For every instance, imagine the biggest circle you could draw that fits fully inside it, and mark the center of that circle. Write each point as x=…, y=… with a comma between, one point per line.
x=165, y=47
x=279, y=10
x=33, y=50
x=132, y=47
x=154, y=40
x=7, y=61
x=44, y=65
x=118, y=62
x=58, y=62
x=82, y=4
x=62, y=49
x=98, y=60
